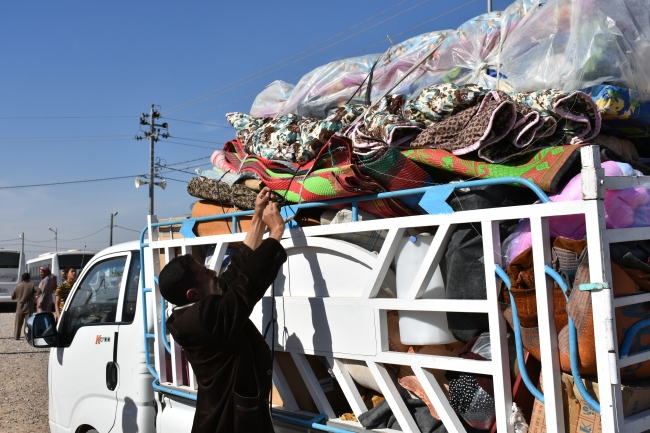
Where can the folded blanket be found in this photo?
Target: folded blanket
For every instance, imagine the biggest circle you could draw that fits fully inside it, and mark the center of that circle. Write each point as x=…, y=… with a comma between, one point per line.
x=548, y=168
x=221, y=192
x=438, y=102
x=385, y=125
x=578, y=116
x=291, y=137
x=471, y=129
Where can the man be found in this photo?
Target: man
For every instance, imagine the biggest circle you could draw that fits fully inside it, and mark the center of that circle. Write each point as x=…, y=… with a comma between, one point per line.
x=25, y=295
x=47, y=287
x=229, y=356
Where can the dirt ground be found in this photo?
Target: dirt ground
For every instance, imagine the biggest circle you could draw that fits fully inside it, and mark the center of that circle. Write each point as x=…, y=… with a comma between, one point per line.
x=23, y=380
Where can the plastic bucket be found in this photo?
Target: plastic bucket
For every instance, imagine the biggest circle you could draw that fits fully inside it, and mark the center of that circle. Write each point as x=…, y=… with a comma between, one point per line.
x=419, y=327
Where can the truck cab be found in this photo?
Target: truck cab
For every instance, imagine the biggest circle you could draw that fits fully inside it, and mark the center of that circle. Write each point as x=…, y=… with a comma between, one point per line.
x=97, y=375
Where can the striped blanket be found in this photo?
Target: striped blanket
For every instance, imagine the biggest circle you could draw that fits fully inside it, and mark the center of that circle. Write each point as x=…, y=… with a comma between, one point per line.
x=548, y=168
x=332, y=174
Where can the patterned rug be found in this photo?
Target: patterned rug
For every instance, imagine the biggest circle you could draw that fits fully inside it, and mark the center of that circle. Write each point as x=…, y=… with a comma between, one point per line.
x=548, y=168
x=332, y=174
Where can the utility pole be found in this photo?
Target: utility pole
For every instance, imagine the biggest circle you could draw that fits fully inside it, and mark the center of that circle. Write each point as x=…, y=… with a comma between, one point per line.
x=21, y=265
x=110, y=242
x=152, y=140
x=56, y=238
x=153, y=135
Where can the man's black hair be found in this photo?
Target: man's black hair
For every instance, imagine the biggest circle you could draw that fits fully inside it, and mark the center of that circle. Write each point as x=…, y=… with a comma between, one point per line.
x=176, y=278
x=25, y=277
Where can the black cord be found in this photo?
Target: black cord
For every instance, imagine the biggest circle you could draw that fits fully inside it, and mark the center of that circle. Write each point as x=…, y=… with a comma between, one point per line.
x=369, y=76
x=268, y=325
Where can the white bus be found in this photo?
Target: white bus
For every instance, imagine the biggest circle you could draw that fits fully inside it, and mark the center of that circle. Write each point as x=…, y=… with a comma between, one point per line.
x=57, y=262
x=9, y=264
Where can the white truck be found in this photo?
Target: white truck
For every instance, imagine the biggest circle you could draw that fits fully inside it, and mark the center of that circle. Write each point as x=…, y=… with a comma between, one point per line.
x=114, y=368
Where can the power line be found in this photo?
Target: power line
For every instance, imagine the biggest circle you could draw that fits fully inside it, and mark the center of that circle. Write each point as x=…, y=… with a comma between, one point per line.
x=223, y=105
x=68, y=183
x=189, y=160
x=193, y=139
x=63, y=117
x=189, y=145
x=87, y=236
x=177, y=180
x=43, y=246
x=358, y=52
x=65, y=141
x=41, y=242
x=198, y=123
x=62, y=136
x=175, y=169
x=193, y=101
x=307, y=56
x=417, y=26
x=94, y=180
x=124, y=228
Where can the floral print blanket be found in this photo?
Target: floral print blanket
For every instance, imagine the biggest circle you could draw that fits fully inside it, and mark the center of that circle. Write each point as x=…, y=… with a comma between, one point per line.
x=290, y=137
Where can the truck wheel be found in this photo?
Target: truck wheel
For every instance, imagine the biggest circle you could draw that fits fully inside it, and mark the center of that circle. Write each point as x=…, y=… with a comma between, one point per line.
x=92, y=430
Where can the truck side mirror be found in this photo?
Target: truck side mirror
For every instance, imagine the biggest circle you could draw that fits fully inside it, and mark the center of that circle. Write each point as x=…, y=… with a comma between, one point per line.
x=42, y=328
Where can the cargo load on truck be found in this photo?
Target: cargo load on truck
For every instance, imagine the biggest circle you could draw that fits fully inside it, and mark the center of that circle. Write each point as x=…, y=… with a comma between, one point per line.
x=467, y=211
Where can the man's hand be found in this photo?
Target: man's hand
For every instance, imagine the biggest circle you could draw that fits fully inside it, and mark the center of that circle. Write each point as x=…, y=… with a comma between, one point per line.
x=262, y=200
x=273, y=220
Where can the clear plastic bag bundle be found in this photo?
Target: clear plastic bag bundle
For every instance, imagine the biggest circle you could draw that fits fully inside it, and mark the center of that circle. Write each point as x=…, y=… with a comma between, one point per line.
x=470, y=54
x=573, y=44
x=272, y=99
x=399, y=58
x=329, y=86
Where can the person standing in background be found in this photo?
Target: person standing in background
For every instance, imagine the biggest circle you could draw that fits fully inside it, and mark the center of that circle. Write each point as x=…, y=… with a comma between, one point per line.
x=47, y=287
x=63, y=290
x=25, y=295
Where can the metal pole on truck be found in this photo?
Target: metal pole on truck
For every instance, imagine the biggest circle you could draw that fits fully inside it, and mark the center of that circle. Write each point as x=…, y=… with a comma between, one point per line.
x=489, y=6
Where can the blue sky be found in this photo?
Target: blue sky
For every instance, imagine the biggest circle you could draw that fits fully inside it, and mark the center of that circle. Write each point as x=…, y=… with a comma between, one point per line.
x=112, y=59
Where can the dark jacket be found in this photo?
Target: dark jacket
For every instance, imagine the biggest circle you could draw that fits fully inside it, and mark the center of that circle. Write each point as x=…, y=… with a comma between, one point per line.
x=229, y=356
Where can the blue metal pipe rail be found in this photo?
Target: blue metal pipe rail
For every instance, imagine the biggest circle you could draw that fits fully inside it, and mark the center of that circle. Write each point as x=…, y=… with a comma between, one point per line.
x=573, y=342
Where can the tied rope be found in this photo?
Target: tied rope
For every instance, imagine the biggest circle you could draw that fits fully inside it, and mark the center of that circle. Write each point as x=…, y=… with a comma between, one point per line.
x=268, y=326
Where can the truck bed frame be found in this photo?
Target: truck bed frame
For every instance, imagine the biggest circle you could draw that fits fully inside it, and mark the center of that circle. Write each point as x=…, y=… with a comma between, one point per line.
x=349, y=323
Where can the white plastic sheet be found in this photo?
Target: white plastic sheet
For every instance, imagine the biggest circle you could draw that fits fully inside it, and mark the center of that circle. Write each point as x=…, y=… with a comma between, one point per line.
x=573, y=44
x=470, y=54
x=272, y=99
x=329, y=86
x=399, y=58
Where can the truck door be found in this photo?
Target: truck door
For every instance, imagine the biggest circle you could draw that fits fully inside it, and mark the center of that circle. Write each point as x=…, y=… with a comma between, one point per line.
x=84, y=374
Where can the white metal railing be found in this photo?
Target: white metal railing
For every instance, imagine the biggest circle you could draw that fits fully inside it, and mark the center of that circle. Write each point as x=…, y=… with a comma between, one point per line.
x=356, y=319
